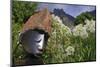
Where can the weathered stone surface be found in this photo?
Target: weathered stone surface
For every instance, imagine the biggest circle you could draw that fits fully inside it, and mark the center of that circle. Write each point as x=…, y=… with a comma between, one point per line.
x=40, y=20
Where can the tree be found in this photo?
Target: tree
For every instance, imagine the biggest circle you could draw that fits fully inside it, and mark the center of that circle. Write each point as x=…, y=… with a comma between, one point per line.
x=22, y=10
x=82, y=17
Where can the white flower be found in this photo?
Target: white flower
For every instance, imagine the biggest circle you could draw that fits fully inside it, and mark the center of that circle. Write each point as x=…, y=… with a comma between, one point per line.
x=64, y=30
x=79, y=30
x=84, y=33
x=20, y=57
x=82, y=30
x=56, y=18
x=70, y=50
x=67, y=30
x=90, y=25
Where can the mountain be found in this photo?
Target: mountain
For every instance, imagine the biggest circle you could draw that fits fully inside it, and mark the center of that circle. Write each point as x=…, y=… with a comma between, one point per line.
x=93, y=13
x=67, y=19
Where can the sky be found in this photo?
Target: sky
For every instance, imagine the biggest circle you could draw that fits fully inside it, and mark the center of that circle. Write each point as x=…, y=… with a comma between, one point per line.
x=73, y=10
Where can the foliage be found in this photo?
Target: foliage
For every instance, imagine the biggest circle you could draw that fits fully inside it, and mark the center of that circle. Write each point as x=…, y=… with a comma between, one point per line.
x=80, y=19
x=64, y=47
x=22, y=10
x=57, y=43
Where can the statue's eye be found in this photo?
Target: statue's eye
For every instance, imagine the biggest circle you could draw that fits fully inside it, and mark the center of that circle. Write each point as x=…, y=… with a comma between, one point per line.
x=38, y=41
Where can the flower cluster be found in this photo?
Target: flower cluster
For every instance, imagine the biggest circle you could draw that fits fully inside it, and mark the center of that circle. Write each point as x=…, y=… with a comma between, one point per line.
x=90, y=25
x=65, y=30
x=80, y=30
x=63, y=44
x=70, y=50
x=83, y=30
x=56, y=18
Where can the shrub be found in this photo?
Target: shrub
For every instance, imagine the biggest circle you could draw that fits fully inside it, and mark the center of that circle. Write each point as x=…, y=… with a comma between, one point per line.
x=22, y=10
x=64, y=46
x=80, y=19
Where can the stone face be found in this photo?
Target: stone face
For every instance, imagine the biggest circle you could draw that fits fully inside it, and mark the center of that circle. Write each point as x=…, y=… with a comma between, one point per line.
x=40, y=20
